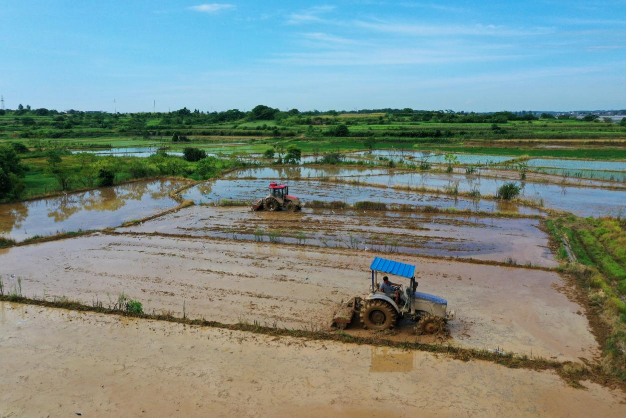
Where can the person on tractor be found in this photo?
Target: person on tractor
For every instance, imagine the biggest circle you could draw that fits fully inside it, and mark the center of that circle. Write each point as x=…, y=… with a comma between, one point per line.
x=389, y=288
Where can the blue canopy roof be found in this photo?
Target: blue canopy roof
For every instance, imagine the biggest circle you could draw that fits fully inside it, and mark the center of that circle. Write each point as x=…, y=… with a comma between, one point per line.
x=393, y=267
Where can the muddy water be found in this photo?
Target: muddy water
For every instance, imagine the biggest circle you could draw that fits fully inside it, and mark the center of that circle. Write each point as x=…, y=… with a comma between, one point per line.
x=62, y=363
x=514, y=309
x=94, y=209
x=496, y=239
x=308, y=190
x=581, y=201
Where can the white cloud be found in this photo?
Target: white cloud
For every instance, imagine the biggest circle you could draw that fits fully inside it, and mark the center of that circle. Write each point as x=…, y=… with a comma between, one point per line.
x=309, y=15
x=450, y=30
x=212, y=7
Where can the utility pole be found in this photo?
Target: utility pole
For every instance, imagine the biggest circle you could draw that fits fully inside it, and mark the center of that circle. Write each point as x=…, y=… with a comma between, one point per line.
x=154, y=106
x=2, y=101
x=115, y=107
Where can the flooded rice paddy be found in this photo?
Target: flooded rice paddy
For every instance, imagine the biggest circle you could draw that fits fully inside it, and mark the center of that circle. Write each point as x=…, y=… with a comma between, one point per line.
x=433, y=158
x=581, y=201
x=141, y=152
x=495, y=239
x=326, y=191
x=94, y=209
x=515, y=309
x=308, y=184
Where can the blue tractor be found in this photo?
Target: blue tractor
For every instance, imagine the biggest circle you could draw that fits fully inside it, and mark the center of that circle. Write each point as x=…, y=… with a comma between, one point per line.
x=384, y=305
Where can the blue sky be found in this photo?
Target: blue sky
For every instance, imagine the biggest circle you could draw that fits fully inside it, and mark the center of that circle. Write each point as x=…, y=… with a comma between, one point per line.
x=461, y=55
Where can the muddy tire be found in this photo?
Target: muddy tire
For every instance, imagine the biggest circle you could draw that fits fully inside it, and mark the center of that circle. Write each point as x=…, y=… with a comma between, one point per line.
x=291, y=207
x=378, y=315
x=272, y=204
x=430, y=324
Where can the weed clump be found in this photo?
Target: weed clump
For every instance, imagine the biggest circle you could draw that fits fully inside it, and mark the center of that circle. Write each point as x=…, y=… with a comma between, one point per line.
x=508, y=191
x=366, y=205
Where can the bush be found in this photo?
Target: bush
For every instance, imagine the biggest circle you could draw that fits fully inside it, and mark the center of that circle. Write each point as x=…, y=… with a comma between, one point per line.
x=332, y=158
x=193, y=154
x=508, y=191
x=134, y=306
x=106, y=177
x=139, y=169
x=269, y=154
x=19, y=147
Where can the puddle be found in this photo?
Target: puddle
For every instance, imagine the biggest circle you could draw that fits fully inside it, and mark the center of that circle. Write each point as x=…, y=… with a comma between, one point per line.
x=94, y=209
x=308, y=190
x=388, y=360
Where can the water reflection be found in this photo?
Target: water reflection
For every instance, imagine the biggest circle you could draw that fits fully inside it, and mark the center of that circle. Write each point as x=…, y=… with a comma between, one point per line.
x=94, y=209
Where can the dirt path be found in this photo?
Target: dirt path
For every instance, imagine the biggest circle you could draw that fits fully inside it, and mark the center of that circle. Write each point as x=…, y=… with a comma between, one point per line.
x=60, y=363
x=498, y=307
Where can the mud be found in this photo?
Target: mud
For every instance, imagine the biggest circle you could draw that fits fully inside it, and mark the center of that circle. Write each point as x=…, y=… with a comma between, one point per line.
x=60, y=363
x=308, y=190
x=481, y=238
x=94, y=209
x=514, y=309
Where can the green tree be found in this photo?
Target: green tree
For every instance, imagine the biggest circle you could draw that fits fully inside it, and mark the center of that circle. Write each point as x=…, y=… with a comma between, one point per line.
x=262, y=112
x=370, y=143
x=293, y=156
x=341, y=130
x=193, y=154
x=622, y=122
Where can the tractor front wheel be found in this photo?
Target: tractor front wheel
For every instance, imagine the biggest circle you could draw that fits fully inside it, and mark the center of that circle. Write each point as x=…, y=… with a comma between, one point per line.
x=378, y=315
x=430, y=324
x=272, y=204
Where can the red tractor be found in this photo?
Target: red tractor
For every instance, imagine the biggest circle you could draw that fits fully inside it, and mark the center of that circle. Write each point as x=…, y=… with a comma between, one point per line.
x=278, y=199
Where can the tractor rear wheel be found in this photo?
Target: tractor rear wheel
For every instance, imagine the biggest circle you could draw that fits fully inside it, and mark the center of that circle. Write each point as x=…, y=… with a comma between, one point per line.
x=272, y=204
x=430, y=324
x=378, y=315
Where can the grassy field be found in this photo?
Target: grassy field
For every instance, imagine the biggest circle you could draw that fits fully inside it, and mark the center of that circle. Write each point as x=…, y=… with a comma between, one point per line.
x=593, y=251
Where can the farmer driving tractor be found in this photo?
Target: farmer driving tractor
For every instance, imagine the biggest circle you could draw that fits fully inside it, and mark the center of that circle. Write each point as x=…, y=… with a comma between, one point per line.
x=389, y=288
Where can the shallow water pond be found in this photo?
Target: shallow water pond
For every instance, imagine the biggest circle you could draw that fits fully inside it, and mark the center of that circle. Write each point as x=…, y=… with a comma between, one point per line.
x=94, y=209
